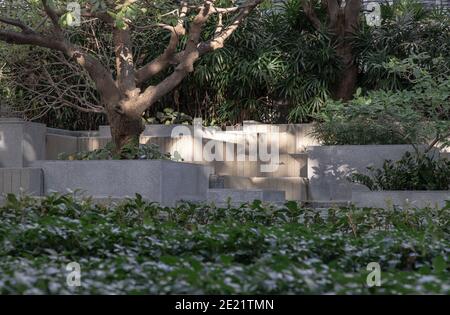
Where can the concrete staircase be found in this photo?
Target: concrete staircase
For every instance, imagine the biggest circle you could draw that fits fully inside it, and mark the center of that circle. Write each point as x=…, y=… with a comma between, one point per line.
x=290, y=179
x=294, y=188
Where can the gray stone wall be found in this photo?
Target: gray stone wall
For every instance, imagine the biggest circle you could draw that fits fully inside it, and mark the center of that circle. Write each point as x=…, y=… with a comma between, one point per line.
x=161, y=181
x=21, y=142
x=17, y=180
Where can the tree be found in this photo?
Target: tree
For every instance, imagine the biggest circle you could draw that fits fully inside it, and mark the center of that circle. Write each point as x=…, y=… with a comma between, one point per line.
x=342, y=22
x=123, y=92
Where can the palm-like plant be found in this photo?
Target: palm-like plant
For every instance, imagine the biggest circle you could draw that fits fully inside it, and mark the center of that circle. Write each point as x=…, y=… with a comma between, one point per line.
x=275, y=68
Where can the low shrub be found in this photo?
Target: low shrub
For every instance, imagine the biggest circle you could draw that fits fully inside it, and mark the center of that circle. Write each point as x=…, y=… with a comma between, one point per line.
x=139, y=247
x=170, y=117
x=128, y=152
x=414, y=171
x=419, y=115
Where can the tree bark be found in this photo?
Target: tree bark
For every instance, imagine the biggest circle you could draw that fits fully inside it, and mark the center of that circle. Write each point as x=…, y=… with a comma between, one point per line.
x=342, y=22
x=345, y=87
x=124, y=129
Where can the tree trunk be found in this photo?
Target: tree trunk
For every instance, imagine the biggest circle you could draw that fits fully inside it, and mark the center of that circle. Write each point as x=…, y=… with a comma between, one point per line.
x=124, y=129
x=342, y=23
x=345, y=87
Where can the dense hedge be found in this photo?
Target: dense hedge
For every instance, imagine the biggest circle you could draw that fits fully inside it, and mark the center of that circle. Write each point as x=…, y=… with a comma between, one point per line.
x=139, y=247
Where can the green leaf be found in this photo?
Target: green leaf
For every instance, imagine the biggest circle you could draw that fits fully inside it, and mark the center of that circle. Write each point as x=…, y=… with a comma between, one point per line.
x=69, y=18
x=439, y=264
x=169, y=260
x=12, y=200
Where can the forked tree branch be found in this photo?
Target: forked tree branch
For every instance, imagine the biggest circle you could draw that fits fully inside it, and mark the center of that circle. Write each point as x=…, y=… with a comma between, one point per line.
x=54, y=18
x=122, y=95
x=166, y=58
x=170, y=57
x=193, y=51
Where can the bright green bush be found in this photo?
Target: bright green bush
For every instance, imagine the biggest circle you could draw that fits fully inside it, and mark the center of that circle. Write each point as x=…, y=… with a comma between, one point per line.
x=407, y=29
x=169, y=117
x=140, y=247
x=412, y=172
x=418, y=115
x=128, y=152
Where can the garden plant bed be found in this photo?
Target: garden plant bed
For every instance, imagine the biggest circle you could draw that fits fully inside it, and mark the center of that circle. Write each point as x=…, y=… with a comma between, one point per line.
x=140, y=247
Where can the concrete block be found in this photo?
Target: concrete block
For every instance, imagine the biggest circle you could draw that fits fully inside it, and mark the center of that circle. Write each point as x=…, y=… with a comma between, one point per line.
x=296, y=137
x=73, y=133
x=295, y=188
x=104, y=131
x=91, y=143
x=33, y=142
x=304, y=138
x=184, y=181
x=58, y=143
x=407, y=198
x=15, y=180
x=183, y=145
x=21, y=142
x=289, y=165
x=161, y=181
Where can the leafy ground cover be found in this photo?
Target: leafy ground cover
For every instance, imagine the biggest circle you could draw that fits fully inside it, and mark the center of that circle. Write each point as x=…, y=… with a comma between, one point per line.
x=139, y=247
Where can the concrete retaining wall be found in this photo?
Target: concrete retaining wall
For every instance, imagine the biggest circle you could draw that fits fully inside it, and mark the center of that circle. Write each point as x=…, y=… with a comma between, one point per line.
x=15, y=180
x=292, y=160
x=294, y=138
x=317, y=174
x=92, y=143
x=161, y=181
x=388, y=199
x=21, y=142
x=59, y=143
x=295, y=188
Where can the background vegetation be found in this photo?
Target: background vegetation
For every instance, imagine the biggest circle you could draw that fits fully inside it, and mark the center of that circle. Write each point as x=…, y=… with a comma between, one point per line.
x=417, y=114
x=277, y=68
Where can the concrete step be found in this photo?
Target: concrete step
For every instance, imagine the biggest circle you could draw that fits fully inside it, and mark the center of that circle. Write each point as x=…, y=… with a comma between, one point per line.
x=295, y=188
x=289, y=165
x=237, y=196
